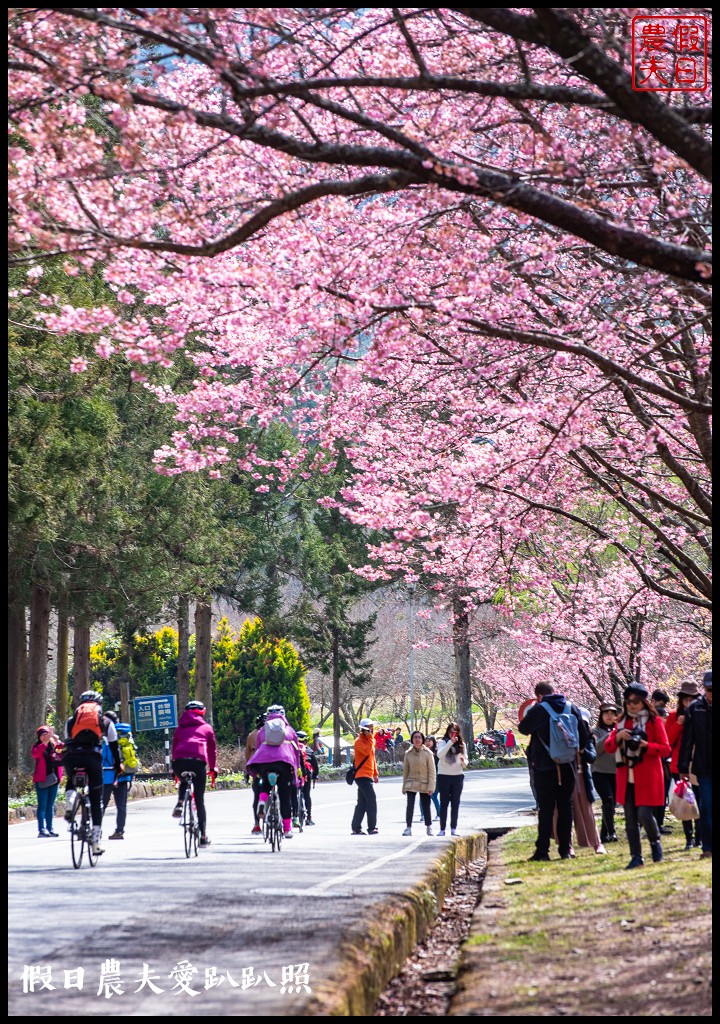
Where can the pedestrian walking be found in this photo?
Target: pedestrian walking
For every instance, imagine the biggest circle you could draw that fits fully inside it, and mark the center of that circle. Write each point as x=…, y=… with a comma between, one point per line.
x=366, y=775
x=688, y=692
x=431, y=744
x=452, y=759
x=603, y=770
x=696, y=750
x=554, y=779
x=639, y=742
x=418, y=778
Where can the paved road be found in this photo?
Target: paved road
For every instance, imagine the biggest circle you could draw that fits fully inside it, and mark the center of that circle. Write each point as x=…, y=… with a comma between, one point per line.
x=156, y=934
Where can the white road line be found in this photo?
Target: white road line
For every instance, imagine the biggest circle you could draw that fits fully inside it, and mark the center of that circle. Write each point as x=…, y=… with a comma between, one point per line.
x=317, y=890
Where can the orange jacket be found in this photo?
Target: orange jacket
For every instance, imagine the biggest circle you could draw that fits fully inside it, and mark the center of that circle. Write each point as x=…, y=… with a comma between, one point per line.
x=365, y=748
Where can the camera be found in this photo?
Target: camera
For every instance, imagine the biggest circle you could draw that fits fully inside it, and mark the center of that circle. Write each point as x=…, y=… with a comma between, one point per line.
x=637, y=733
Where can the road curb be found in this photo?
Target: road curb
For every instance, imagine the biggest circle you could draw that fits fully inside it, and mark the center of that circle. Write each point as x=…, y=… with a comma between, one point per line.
x=375, y=952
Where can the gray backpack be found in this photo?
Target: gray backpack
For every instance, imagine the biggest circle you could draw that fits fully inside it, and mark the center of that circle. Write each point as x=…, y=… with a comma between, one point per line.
x=274, y=731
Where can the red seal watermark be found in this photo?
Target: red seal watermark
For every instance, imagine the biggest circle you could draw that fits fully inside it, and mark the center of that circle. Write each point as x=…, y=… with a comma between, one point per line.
x=669, y=53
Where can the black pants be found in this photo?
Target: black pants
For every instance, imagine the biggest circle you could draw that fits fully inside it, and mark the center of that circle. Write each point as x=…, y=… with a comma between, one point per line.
x=554, y=789
x=256, y=796
x=120, y=792
x=605, y=786
x=424, y=807
x=450, y=788
x=192, y=764
x=306, y=790
x=91, y=761
x=659, y=812
x=366, y=804
x=285, y=784
x=635, y=817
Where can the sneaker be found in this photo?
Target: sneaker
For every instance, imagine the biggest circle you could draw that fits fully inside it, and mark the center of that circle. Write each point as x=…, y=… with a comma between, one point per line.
x=441, y=832
x=454, y=832
x=97, y=849
x=53, y=834
x=117, y=834
x=309, y=822
x=612, y=839
x=288, y=835
x=698, y=841
x=407, y=832
x=600, y=848
x=70, y=797
x=256, y=830
x=429, y=830
x=539, y=856
x=204, y=841
x=295, y=823
x=42, y=834
x=177, y=811
x=665, y=831
x=690, y=844
x=357, y=832
x=374, y=832
x=636, y=862
x=657, y=852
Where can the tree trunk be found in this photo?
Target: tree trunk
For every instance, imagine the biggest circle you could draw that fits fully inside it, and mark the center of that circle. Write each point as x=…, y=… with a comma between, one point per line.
x=461, y=647
x=35, y=711
x=203, y=655
x=17, y=677
x=336, y=696
x=183, y=669
x=61, y=679
x=81, y=662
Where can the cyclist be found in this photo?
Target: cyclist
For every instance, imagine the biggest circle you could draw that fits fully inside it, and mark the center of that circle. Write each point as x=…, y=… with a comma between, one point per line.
x=310, y=774
x=194, y=749
x=277, y=752
x=251, y=745
x=84, y=734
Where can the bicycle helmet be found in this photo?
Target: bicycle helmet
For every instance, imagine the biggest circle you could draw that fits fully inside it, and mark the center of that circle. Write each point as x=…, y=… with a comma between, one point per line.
x=112, y=716
x=197, y=706
x=301, y=735
x=90, y=696
x=260, y=721
x=276, y=709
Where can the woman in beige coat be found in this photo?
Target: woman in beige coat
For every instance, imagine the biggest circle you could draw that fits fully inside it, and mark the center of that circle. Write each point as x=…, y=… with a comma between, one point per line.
x=418, y=777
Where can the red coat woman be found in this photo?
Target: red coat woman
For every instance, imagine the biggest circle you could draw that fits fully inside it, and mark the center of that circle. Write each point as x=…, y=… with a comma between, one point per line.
x=639, y=777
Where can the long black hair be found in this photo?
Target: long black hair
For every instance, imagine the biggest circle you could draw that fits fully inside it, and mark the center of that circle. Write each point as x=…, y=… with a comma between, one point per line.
x=459, y=739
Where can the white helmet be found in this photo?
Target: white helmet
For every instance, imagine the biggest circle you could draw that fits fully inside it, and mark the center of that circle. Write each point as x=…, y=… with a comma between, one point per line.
x=366, y=723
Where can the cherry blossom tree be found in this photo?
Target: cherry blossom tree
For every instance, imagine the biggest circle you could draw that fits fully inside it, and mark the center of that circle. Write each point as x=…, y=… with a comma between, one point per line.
x=457, y=241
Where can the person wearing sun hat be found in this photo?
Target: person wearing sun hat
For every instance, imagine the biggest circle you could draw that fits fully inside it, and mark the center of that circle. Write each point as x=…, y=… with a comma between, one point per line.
x=688, y=691
x=639, y=742
x=696, y=749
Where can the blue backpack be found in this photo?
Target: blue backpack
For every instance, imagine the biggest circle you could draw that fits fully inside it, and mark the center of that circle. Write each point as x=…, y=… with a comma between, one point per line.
x=564, y=735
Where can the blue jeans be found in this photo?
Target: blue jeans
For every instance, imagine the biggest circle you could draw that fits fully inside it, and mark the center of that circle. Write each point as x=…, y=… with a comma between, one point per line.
x=46, y=806
x=705, y=806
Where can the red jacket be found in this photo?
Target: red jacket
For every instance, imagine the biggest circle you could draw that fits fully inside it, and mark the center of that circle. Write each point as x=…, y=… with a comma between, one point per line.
x=674, y=734
x=648, y=774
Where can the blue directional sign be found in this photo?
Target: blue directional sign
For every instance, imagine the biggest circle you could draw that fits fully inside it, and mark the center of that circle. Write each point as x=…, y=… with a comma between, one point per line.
x=155, y=712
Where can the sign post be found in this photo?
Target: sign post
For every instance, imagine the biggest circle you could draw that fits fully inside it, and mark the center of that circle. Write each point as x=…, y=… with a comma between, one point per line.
x=158, y=712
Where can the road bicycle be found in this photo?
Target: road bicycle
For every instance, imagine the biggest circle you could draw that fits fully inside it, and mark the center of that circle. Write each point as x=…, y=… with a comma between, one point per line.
x=301, y=814
x=81, y=822
x=272, y=822
x=188, y=818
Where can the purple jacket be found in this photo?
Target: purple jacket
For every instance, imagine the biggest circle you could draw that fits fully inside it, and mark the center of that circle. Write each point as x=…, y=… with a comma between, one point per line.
x=195, y=738
x=288, y=750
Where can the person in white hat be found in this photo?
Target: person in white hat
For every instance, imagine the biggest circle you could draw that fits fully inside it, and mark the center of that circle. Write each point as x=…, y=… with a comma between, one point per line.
x=366, y=775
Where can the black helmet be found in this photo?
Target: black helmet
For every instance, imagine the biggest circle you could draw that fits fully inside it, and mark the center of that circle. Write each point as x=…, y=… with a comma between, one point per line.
x=112, y=716
x=260, y=720
x=196, y=705
x=90, y=697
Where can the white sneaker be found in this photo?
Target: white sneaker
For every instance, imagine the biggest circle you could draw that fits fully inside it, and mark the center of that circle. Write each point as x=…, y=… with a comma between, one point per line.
x=453, y=831
x=441, y=832
x=407, y=832
x=70, y=797
x=429, y=830
x=288, y=835
x=97, y=849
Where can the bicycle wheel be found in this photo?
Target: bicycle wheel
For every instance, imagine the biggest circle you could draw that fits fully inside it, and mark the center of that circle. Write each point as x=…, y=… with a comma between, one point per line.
x=87, y=833
x=77, y=840
x=301, y=811
x=188, y=821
